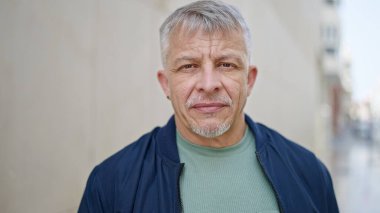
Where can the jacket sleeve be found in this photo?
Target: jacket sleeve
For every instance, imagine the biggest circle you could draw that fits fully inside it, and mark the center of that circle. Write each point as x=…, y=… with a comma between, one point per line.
x=92, y=198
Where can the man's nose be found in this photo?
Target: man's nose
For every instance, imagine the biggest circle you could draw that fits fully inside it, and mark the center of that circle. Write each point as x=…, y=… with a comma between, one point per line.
x=209, y=80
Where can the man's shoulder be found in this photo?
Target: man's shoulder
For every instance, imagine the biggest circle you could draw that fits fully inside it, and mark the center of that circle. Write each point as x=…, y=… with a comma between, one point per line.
x=301, y=159
x=297, y=166
x=308, y=167
x=291, y=153
x=131, y=158
x=119, y=172
x=268, y=138
x=280, y=142
x=128, y=157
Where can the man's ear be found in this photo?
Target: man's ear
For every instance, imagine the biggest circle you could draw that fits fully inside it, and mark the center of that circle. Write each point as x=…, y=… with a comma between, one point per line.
x=252, y=74
x=163, y=79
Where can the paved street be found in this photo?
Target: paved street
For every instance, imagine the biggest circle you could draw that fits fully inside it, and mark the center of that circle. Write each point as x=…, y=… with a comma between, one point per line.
x=356, y=174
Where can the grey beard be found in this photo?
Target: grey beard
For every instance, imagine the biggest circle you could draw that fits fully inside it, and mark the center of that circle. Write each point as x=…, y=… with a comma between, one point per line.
x=211, y=133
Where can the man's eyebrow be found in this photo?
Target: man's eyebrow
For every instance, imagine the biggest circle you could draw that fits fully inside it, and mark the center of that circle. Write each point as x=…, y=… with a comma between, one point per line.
x=229, y=56
x=184, y=58
x=218, y=58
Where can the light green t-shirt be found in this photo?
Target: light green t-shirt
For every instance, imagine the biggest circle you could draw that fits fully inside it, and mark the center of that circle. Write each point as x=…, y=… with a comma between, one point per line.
x=227, y=179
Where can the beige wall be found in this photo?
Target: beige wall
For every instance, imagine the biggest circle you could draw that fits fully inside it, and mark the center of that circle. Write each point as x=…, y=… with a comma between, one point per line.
x=77, y=83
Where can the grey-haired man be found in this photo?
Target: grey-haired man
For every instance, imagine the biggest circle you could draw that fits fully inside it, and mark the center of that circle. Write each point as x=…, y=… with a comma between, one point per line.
x=210, y=157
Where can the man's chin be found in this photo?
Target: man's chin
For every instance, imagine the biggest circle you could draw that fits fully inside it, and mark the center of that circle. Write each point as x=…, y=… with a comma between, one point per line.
x=211, y=130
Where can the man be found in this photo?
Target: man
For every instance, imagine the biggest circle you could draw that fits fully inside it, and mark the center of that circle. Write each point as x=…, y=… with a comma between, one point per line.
x=209, y=157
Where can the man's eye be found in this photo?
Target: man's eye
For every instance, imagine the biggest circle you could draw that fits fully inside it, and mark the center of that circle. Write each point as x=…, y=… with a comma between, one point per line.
x=188, y=66
x=226, y=65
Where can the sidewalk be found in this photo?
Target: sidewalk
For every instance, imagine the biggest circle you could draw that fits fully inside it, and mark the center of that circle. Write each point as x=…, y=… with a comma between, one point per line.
x=356, y=174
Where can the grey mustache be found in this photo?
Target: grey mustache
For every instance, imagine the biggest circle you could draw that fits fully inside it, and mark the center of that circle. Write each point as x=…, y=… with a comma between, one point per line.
x=199, y=99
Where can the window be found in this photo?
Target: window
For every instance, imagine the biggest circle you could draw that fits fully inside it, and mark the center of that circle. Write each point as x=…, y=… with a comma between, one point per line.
x=332, y=2
x=330, y=50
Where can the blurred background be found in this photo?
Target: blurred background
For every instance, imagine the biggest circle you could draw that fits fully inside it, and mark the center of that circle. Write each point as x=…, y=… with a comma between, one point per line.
x=78, y=83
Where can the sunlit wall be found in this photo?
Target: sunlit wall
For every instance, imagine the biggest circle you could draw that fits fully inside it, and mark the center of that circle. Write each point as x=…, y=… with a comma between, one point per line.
x=78, y=82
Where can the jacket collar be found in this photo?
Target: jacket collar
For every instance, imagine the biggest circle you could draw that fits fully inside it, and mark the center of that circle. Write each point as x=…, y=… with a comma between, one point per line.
x=167, y=145
x=166, y=141
x=261, y=136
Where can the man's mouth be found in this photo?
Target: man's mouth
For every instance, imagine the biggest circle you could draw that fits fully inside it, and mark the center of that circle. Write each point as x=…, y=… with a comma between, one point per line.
x=208, y=107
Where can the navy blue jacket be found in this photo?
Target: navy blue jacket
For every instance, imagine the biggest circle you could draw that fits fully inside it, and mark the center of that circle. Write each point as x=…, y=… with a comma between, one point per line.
x=144, y=176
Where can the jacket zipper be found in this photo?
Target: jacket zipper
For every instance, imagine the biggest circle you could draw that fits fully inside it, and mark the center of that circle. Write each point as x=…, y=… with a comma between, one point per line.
x=180, y=205
x=270, y=181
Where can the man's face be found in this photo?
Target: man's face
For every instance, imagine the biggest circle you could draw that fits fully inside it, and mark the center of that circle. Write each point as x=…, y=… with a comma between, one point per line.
x=208, y=79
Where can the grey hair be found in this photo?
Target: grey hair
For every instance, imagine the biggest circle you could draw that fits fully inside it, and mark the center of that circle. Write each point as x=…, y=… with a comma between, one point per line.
x=210, y=16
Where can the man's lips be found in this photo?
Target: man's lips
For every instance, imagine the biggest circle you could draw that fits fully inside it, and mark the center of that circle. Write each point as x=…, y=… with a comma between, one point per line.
x=208, y=107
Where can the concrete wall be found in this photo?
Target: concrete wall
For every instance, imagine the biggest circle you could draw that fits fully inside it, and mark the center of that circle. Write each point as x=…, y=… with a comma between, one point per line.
x=77, y=83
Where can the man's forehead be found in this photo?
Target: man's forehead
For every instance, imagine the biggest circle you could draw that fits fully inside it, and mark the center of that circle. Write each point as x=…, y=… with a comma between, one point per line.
x=192, y=55
x=196, y=40
x=182, y=33
x=200, y=39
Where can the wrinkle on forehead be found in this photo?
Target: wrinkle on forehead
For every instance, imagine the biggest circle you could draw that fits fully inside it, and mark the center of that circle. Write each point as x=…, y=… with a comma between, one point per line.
x=217, y=34
x=197, y=40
